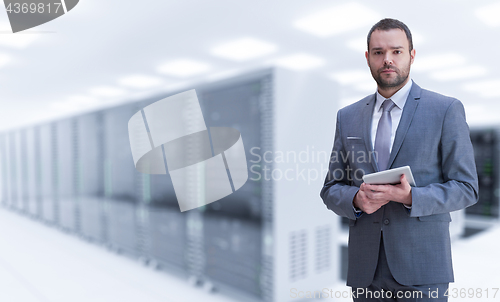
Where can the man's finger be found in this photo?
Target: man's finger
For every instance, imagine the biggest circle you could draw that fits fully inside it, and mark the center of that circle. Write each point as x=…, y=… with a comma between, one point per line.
x=377, y=188
x=376, y=197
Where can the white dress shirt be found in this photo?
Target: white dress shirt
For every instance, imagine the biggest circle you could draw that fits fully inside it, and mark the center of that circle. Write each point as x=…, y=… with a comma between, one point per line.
x=399, y=98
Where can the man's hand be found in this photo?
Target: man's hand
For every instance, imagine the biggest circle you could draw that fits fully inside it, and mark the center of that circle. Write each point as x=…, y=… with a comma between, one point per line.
x=366, y=201
x=371, y=197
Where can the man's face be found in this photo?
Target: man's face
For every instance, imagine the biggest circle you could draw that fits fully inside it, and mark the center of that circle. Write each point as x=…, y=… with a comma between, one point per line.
x=389, y=57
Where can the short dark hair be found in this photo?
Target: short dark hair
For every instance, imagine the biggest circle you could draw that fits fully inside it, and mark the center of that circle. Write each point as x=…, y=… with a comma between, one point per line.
x=387, y=24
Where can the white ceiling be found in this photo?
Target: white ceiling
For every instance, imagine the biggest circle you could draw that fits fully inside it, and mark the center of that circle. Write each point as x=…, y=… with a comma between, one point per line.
x=108, y=51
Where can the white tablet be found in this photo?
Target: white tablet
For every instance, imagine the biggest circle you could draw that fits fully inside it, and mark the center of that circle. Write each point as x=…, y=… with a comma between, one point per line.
x=389, y=176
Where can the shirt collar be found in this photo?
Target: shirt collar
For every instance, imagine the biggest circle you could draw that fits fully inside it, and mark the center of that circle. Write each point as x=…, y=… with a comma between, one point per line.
x=399, y=98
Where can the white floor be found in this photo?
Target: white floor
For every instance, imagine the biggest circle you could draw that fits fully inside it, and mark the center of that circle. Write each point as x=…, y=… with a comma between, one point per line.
x=40, y=264
x=477, y=266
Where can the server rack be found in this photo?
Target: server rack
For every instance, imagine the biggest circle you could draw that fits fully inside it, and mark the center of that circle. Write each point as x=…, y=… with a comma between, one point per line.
x=486, y=144
x=13, y=171
x=256, y=244
x=22, y=177
x=66, y=175
x=232, y=226
x=164, y=227
x=165, y=232
x=32, y=171
x=48, y=173
x=5, y=170
x=90, y=176
x=122, y=189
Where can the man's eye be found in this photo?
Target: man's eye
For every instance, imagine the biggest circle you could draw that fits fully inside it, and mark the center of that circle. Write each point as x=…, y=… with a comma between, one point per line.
x=397, y=51
x=378, y=52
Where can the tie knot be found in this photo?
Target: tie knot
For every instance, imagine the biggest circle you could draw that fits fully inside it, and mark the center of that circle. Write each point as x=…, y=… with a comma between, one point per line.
x=388, y=105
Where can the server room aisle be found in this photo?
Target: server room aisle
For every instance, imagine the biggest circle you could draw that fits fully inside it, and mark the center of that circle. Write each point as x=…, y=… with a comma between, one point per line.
x=40, y=264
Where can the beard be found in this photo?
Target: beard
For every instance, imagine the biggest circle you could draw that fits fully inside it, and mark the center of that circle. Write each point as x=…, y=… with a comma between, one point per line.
x=401, y=76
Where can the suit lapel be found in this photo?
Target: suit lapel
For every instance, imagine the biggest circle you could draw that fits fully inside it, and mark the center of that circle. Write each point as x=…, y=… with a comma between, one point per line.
x=367, y=126
x=406, y=118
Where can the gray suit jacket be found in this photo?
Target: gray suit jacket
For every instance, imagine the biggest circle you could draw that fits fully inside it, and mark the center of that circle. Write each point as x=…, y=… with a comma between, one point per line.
x=433, y=139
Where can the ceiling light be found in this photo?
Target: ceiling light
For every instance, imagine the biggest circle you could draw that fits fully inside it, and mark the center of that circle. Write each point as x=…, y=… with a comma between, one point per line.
x=437, y=61
x=474, y=109
x=75, y=103
x=459, y=73
x=299, y=62
x=82, y=101
x=4, y=59
x=61, y=106
x=338, y=19
x=17, y=40
x=107, y=91
x=489, y=14
x=243, y=49
x=417, y=38
x=183, y=68
x=351, y=76
x=224, y=74
x=487, y=89
x=481, y=115
x=140, y=81
x=358, y=44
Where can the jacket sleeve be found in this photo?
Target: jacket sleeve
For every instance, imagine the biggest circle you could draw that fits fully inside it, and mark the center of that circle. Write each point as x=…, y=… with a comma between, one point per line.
x=460, y=187
x=337, y=193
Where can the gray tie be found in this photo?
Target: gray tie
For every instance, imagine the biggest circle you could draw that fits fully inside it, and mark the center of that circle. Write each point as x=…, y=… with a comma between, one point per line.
x=383, y=137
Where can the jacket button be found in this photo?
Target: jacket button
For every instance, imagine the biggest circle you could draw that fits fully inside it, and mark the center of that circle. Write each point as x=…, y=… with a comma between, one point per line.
x=386, y=221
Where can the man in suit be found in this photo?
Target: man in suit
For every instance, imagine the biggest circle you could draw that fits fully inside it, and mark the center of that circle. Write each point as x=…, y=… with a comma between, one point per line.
x=399, y=242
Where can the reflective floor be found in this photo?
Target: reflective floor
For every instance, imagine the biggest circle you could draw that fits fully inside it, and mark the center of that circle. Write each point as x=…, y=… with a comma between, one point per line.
x=40, y=264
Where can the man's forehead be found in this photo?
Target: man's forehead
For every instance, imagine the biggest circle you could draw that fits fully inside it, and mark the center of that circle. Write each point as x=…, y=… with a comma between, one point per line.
x=392, y=38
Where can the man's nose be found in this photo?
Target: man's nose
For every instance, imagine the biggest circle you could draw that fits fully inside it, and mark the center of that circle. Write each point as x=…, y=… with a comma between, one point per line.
x=388, y=60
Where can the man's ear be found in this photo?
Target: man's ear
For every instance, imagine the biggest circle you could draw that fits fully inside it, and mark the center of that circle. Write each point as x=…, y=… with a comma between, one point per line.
x=412, y=55
x=366, y=56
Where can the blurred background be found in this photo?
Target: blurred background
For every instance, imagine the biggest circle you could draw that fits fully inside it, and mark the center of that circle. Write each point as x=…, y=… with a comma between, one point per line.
x=79, y=223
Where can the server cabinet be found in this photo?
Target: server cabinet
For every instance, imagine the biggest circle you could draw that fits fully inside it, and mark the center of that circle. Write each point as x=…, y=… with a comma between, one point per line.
x=233, y=252
x=165, y=236
x=48, y=173
x=4, y=170
x=32, y=173
x=274, y=233
x=122, y=183
x=13, y=171
x=232, y=226
x=66, y=174
x=163, y=228
x=22, y=173
x=486, y=152
x=90, y=176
